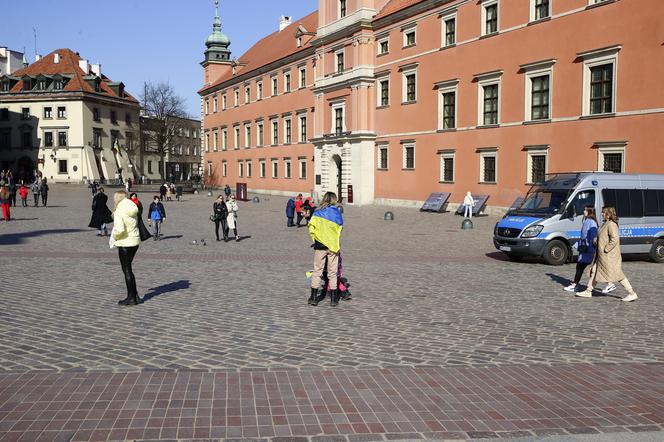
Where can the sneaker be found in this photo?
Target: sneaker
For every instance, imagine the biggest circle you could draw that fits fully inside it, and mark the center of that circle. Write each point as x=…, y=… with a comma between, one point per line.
x=609, y=288
x=571, y=288
x=631, y=297
x=585, y=294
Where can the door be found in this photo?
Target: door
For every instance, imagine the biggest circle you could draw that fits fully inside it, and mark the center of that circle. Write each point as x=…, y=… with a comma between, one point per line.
x=335, y=175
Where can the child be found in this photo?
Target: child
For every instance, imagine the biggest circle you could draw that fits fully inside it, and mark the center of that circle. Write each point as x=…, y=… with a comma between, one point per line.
x=23, y=193
x=156, y=215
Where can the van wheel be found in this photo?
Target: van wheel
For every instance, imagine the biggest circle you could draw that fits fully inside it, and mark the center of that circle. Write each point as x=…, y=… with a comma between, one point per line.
x=657, y=251
x=556, y=253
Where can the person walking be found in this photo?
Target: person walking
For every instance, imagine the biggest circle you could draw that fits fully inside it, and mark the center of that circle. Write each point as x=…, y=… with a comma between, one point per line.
x=35, y=188
x=607, y=266
x=43, y=190
x=23, y=193
x=298, y=209
x=290, y=212
x=325, y=228
x=468, y=204
x=231, y=218
x=162, y=192
x=5, y=201
x=220, y=215
x=101, y=214
x=585, y=246
x=227, y=191
x=126, y=238
x=12, y=189
x=156, y=215
x=169, y=192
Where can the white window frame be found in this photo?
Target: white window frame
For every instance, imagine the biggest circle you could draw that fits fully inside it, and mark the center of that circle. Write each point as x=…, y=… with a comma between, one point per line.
x=260, y=130
x=532, y=11
x=532, y=71
x=299, y=127
x=407, y=30
x=248, y=168
x=224, y=102
x=215, y=104
x=209, y=164
x=379, y=148
x=379, y=88
x=595, y=58
x=207, y=141
x=484, y=154
x=446, y=155
x=236, y=136
x=274, y=137
x=262, y=168
x=404, y=147
x=482, y=82
x=259, y=90
x=240, y=168
x=247, y=94
x=445, y=88
x=404, y=85
x=302, y=80
x=247, y=135
x=287, y=121
x=485, y=5
x=339, y=16
x=274, y=164
x=337, y=53
x=224, y=138
x=236, y=97
x=207, y=106
x=302, y=161
x=215, y=140
x=335, y=106
x=443, y=20
x=224, y=168
x=288, y=168
x=298, y=41
x=274, y=82
x=379, y=43
x=532, y=151
x=287, y=82
x=604, y=148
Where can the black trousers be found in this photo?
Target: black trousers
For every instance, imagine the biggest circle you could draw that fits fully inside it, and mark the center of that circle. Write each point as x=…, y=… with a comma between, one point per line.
x=44, y=198
x=36, y=195
x=299, y=219
x=224, y=229
x=126, y=258
x=580, y=267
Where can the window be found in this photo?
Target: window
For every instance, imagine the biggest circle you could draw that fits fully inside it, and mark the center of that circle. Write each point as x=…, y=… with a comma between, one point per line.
x=114, y=117
x=340, y=61
x=215, y=140
x=247, y=135
x=447, y=109
x=303, y=77
x=287, y=168
x=261, y=168
x=247, y=95
x=275, y=132
x=409, y=36
x=275, y=169
x=601, y=89
x=599, y=80
x=62, y=138
x=382, y=156
x=224, y=102
x=488, y=166
x=62, y=112
x=408, y=156
x=629, y=203
x=260, y=133
x=287, y=79
x=62, y=167
x=275, y=85
x=384, y=46
x=41, y=84
x=27, y=85
x=653, y=202
x=58, y=84
x=449, y=26
x=612, y=162
x=288, y=131
x=224, y=139
x=539, y=9
x=224, y=168
x=150, y=166
x=26, y=139
x=215, y=103
x=338, y=120
x=384, y=97
x=5, y=86
x=240, y=169
x=539, y=97
x=490, y=17
x=48, y=112
x=299, y=42
x=25, y=113
x=236, y=130
x=259, y=90
x=96, y=138
x=489, y=99
x=48, y=139
x=537, y=163
x=303, y=129
x=342, y=8
x=207, y=106
x=409, y=86
x=303, y=167
x=236, y=97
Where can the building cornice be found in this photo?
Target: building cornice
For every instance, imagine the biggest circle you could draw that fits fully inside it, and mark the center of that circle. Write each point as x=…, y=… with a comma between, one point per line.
x=413, y=10
x=65, y=96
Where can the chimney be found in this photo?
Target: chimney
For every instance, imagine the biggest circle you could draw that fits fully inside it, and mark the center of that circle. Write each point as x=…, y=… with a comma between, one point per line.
x=56, y=58
x=83, y=64
x=284, y=22
x=96, y=69
x=37, y=57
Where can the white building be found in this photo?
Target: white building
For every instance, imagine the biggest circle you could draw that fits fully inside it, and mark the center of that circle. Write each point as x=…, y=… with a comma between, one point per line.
x=64, y=117
x=11, y=61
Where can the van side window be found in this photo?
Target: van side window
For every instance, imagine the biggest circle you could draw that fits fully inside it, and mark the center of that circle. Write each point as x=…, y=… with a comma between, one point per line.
x=654, y=202
x=628, y=203
x=583, y=199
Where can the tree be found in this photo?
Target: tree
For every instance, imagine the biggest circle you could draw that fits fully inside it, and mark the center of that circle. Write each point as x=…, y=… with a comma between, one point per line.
x=164, y=113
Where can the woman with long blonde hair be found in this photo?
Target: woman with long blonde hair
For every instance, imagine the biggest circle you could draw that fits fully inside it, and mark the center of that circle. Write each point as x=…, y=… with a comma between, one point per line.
x=607, y=266
x=127, y=238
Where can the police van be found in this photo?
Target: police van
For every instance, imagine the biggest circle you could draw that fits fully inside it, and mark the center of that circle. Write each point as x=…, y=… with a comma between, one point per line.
x=548, y=222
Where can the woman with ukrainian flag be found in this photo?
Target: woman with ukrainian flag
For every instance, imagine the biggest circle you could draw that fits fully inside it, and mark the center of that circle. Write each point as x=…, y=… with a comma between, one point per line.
x=325, y=228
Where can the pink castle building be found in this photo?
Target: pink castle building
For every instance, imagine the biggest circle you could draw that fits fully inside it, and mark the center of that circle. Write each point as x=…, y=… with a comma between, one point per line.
x=386, y=101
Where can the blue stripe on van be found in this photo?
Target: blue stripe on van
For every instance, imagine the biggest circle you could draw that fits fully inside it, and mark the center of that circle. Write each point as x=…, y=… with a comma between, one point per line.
x=627, y=232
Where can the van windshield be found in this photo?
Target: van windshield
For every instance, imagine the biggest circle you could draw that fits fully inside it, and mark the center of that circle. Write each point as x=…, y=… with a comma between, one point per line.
x=540, y=202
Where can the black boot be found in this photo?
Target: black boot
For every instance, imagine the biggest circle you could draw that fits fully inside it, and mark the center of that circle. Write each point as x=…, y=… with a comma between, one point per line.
x=317, y=295
x=131, y=300
x=334, y=298
x=312, y=297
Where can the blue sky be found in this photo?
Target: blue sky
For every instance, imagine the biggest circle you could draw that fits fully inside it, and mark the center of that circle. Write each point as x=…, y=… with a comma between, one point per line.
x=144, y=40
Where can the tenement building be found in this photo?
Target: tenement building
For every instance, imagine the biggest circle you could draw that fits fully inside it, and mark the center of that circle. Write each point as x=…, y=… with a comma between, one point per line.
x=63, y=117
x=386, y=101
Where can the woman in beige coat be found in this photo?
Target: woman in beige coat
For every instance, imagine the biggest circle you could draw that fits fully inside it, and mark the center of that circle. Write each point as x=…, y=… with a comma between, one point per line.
x=126, y=238
x=607, y=266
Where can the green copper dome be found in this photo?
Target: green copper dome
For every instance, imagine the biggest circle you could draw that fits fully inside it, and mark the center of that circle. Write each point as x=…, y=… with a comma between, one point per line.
x=217, y=38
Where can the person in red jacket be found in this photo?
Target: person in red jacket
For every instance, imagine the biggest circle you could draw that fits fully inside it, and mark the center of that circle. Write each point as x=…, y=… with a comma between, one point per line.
x=23, y=193
x=5, y=201
x=298, y=208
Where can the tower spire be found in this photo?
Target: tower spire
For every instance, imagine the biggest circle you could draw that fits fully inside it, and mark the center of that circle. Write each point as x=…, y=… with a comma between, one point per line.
x=217, y=43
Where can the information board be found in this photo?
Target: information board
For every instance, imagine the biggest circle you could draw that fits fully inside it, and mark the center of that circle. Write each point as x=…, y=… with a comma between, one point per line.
x=437, y=202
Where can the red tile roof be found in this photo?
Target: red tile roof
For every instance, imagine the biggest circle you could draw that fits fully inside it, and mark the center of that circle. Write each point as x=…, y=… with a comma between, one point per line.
x=274, y=47
x=395, y=6
x=68, y=65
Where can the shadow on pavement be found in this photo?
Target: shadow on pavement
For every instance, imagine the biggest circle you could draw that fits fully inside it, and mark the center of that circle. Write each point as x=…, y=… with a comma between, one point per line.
x=559, y=279
x=167, y=288
x=162, y=238
x=19, y=238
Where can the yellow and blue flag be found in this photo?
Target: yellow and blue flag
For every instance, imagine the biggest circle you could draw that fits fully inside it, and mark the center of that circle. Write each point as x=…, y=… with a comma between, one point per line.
x=325, y=227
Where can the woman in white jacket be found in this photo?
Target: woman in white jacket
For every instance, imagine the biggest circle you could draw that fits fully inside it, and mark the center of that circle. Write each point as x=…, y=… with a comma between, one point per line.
x=231, y=218
x=468, y=203
x=127, y=238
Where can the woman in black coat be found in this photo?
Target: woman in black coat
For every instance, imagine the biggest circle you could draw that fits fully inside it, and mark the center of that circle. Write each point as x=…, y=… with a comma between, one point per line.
x=219, y=213
x=101, y=214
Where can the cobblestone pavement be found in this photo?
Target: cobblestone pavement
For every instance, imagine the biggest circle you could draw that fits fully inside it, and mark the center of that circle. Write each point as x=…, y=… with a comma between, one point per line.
x=426, y=295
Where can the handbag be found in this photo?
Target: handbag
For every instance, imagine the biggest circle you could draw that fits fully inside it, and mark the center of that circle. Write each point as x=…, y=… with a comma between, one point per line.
x=213, y=217
x=143, y=232
x=583, y=246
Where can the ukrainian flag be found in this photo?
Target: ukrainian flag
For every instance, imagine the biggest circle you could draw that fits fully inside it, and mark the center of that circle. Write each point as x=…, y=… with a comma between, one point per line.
x=325, y=227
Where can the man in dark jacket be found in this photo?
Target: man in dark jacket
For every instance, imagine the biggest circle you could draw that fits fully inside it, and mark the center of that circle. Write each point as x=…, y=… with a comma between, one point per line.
x=101, y=214
x=290, y=212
